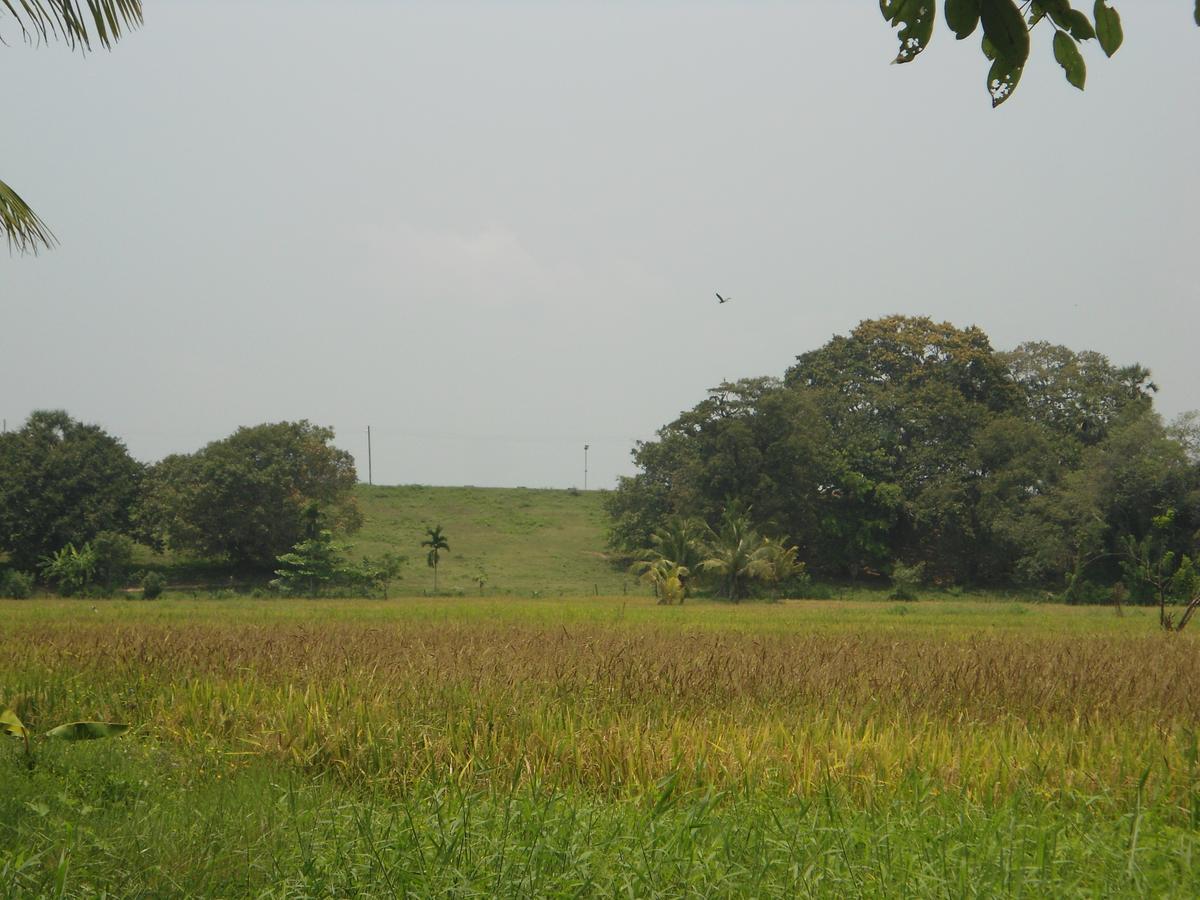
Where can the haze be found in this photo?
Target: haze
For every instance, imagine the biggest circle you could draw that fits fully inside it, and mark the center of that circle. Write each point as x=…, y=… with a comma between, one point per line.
x=493, y=232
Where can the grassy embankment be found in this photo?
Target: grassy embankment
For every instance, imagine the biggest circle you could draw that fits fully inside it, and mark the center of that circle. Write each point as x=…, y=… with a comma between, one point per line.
x=525, y=541
x=601, y=746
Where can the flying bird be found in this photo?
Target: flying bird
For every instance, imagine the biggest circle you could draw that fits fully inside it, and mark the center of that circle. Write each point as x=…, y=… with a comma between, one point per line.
x=721, y=299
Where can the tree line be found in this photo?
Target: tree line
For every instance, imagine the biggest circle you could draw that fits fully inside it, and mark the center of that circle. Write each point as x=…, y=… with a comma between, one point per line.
x=73, y=501
x=916, y=444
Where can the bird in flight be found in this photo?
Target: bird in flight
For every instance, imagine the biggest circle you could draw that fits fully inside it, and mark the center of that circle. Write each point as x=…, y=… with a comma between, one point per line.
x=721, y=299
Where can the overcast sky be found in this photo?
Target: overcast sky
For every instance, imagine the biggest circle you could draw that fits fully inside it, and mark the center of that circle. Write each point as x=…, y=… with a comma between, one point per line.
x=493, y=231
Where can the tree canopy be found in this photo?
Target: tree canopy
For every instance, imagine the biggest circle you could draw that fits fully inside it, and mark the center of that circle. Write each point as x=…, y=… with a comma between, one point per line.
x=915, y=441
x=251, y=496
x=62, y=482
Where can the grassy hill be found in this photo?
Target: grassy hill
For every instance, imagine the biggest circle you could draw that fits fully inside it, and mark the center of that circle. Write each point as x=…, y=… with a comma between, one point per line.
x=525, y=540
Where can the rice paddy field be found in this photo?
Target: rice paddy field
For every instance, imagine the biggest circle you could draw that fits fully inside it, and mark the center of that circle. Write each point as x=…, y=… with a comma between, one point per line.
x=599, y=747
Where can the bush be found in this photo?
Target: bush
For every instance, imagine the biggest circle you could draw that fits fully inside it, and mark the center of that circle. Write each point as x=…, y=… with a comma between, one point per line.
x=113, y=559
x=814, y=591
x=906, y=580
x=153, y=584
x=16, y=585
x=70, y=570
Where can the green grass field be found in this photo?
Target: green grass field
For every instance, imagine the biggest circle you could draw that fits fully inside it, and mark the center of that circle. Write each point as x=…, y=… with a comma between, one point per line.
x=600, y=747
x=524, y=540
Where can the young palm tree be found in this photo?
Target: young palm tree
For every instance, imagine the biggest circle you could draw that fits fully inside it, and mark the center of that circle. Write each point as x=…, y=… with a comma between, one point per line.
x=781, y=563
x=436, y=542
x=736, y=553
x=77, y=23
x=675, y=552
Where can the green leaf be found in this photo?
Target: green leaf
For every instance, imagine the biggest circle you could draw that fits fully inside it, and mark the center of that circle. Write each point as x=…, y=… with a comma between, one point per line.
x=1069, y=57
x=917, y=18
x=1005, y=28
x=1081, y=29
x=1002, y=80
x=87, y=731
x=1198, y=12
x=963, y=17
x=1108, y=27
x=10, y=724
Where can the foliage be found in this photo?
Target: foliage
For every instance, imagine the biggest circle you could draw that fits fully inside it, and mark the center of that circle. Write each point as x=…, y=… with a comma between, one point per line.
x=113, y=554
x=1006, y=32
x=70, y=570
x=249, y=497
x=909, y=439
x=153, y=584
x=16, y=585
x=11, y=725
x=783, y=571
x=377, y=574
x=668, y=578
x=65, y=20
x=1152, y=567
x=311, y=564
x=906, y=580
x=735, y=553
x=61, y=482
x=435, y=540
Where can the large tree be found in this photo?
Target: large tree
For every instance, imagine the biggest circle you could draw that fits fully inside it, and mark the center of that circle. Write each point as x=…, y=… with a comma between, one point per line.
x=61, y=482
x=251, y=496
x=915, y=441
x=79, y=25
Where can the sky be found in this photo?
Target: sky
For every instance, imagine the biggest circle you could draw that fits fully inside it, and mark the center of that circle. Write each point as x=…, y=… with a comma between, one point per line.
x=493, y=231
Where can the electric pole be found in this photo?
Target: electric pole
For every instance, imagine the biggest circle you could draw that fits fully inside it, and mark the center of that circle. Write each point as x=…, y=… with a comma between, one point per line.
x=370, y=478
x=585, y=450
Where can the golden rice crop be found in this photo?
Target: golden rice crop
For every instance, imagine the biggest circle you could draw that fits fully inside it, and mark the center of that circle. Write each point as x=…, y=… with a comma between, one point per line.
x=614, y=709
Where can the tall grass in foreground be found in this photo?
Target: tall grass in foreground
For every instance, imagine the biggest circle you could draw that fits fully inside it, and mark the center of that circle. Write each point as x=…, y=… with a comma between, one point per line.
x=103, y=823
x=560, y=749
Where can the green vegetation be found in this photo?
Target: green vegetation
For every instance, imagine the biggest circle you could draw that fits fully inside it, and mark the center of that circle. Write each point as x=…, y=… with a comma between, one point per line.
x=522, y=541
x=544, y=747
x=915, y=444
x=249, y=497
x=61, y=482
x=1007, y=25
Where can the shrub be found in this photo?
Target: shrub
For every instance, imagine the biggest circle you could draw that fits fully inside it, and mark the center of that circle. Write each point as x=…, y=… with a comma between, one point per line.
x=113, y=558
x=16, y=585
x=153, y=585
x=70, y=570
x=906, y=580
x=813, y=591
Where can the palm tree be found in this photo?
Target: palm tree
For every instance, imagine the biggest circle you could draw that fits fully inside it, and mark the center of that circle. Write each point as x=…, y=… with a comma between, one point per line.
x=736, y=552
x=436, y=542
x=675, y=552
x=781, y=563
x=78, y=23
x=669, y=579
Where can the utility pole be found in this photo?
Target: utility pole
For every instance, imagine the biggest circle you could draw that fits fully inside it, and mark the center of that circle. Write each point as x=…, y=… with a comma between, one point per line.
x=585, y=450
x=370, y=478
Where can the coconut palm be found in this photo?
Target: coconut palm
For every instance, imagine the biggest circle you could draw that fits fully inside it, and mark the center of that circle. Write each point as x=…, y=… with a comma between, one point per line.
x=675, y=551
x=78, y=23
x=781, y=563
x=669, y=580
x=735, y=552
x=436, y=542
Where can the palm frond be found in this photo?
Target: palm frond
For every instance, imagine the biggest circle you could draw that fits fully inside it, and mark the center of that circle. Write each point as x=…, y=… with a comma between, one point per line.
x=74, y=22
x=25, y=231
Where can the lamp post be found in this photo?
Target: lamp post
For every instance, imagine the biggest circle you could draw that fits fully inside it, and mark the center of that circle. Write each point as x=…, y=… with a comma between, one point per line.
x=585, y=450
